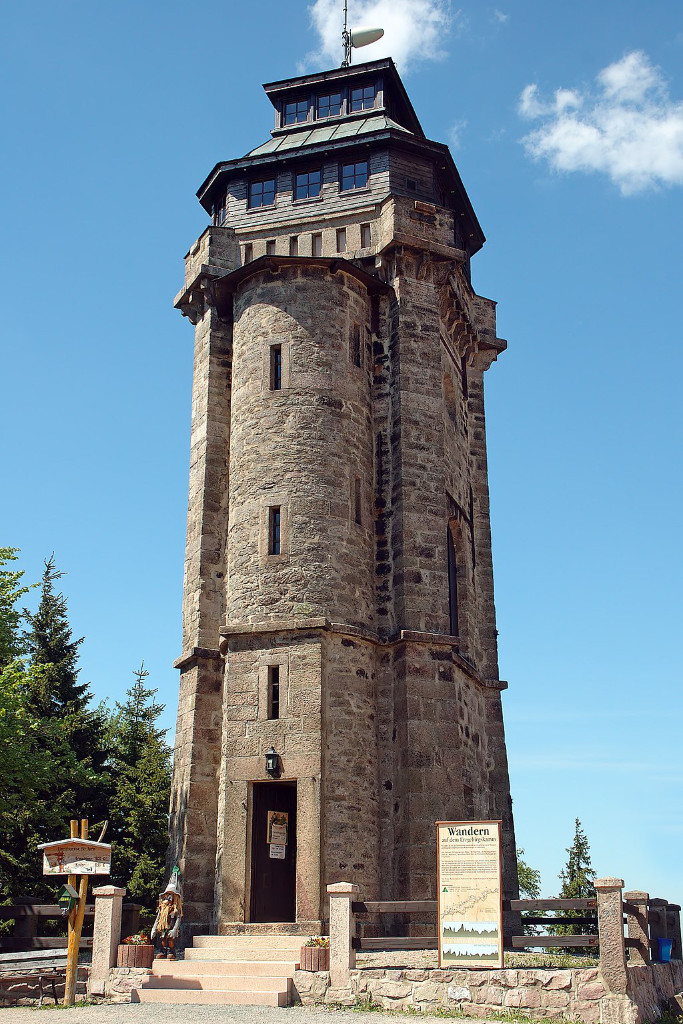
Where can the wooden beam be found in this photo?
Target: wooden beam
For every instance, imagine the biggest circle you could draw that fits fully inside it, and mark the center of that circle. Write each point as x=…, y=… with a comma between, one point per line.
x=550, y=904
x=528, y=941
x=395, y=907
x=398, y=942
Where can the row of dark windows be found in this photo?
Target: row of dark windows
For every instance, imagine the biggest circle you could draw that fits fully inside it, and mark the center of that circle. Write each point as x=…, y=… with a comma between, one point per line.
x=331, y=104
x=307, y=184
x=316, y=243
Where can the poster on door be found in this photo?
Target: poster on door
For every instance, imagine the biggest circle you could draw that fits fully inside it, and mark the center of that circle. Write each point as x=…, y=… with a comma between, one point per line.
x=469, y=881
x=278, y=826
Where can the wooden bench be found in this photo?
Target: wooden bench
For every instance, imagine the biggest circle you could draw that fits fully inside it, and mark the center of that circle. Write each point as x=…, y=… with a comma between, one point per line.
x=35, y=974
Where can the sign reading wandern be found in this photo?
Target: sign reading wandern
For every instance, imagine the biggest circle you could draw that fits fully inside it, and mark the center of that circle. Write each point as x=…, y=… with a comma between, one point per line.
x=76, y=857
x=469, y=882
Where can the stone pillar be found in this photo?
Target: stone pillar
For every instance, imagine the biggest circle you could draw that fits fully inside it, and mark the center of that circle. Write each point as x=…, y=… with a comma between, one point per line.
x=657, y=921
x=342, y=932
x=106, y=935
x=638, y=930
x=611, y=932
x=673, y=929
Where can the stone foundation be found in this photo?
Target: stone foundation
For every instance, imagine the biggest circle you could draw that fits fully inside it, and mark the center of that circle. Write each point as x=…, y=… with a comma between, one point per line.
x=574, y=994
x=120, y=982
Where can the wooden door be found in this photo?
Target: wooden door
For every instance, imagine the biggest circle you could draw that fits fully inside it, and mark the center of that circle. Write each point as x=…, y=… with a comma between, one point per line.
x=273, y=869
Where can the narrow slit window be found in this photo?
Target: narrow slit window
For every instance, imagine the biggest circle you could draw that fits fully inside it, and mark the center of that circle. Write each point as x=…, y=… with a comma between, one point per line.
x=341, y=239
x=273, y=691
x=452, y=585
x=355, y=345
x=248, y=252
x=365, y=236
x=270, y=247
x=317, y=244
x=356, y=500
x=274, y=522
x=294, y=245
x=276, y=368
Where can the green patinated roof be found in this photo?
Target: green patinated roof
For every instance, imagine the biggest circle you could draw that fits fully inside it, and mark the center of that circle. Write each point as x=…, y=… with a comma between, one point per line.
x=328, y=133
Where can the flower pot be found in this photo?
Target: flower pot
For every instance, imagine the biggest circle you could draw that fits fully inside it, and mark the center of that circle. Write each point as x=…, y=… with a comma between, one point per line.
x=135, y=956
x=315, y=958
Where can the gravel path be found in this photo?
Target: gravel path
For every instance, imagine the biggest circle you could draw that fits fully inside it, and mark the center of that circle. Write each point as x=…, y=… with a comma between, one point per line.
x=154, y=1013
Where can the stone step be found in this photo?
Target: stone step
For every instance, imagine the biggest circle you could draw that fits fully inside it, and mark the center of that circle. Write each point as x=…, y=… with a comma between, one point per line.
x=212, y=982
x=248, y=941
x=215, y=997
x=304, y=928
x=225, y=968
x=242, y=954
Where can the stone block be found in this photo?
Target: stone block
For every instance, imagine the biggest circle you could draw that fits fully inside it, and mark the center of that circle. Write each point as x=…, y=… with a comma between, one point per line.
x=458, y=993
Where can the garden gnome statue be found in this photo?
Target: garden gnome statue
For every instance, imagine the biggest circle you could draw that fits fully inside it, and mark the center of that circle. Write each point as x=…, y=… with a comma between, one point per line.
x=169, y=916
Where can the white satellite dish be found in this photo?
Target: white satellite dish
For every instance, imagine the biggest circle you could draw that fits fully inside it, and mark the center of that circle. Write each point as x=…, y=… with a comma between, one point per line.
x=365, y=36
x=356, y=36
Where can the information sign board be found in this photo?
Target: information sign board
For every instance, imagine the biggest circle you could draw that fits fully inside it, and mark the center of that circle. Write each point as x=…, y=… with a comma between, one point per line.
x=76, y=857
x=469, y=881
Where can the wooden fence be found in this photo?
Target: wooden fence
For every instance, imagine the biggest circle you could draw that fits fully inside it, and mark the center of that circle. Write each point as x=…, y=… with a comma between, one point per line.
x=27, y=917
x=645, y=919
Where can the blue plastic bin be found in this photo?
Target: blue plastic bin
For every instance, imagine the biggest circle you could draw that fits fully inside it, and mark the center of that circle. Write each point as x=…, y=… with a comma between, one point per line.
x=664, y=950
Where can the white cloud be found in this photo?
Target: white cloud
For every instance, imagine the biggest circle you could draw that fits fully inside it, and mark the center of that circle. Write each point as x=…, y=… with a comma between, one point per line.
x=500, y=16
x=628, y=128
x=454, y=133
x=414, y=30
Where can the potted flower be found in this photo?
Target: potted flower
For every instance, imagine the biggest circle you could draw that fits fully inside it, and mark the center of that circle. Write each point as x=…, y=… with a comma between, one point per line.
x=136, y=951
x=315, y=954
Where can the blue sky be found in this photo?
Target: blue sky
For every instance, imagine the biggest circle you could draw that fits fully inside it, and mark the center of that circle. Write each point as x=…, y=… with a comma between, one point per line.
x=113, y=115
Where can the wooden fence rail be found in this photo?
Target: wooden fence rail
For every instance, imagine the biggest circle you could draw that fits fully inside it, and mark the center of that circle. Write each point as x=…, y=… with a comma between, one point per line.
x=646, y=919
x=28, y=917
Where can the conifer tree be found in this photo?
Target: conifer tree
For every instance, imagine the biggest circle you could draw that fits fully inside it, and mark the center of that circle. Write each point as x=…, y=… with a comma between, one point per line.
x=37, y=764
x=57, y=697
x=141, y=765
x=577, y=878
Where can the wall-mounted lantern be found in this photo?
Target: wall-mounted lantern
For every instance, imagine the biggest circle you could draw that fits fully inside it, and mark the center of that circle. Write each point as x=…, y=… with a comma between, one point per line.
x=272, y=763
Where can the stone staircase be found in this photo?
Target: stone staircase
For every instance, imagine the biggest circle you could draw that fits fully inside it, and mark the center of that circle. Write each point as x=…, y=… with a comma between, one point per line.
x=226, y=969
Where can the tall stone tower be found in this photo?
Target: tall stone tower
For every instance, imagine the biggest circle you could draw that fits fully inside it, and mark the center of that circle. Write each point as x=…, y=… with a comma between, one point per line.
x=338, y=604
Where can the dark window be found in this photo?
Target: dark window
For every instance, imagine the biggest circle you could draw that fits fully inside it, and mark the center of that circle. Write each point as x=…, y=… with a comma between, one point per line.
x=452, y=585
x=317, y=244
x=270, y=247
x=296, y=111
x=294, y=245
x=275, y=367
x=329, y=105
x=356, y=500
x=273, y=691
x=363, y=98
x=248, y=252
x=307, y=185
x=411, y=184
x=354, y=175
x=365, y=236
x=262, y=193
x=274, y=530
x=355, y=345
x=220, y=210
x=341, y=239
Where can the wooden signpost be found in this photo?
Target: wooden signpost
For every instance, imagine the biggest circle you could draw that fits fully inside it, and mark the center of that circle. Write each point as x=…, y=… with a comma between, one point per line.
x=73, y=857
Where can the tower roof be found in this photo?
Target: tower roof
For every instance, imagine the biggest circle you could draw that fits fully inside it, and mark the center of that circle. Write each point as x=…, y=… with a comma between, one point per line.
x=395, y=96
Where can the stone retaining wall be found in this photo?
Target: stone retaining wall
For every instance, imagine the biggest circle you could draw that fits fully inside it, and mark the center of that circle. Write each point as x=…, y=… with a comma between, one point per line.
x=120, y=982
x=574, y=994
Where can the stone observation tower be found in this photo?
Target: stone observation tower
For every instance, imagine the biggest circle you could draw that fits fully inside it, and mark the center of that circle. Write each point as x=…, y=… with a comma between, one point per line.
x=338, y=605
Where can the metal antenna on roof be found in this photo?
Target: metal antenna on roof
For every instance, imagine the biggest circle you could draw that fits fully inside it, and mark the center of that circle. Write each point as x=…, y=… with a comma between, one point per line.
x=346, y=37
x=356, y=36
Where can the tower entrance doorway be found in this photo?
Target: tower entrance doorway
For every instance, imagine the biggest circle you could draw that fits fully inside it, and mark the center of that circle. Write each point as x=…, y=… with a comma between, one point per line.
x=273, y=852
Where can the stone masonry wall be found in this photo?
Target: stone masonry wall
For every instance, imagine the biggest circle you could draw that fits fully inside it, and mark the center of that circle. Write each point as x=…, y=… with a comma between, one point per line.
x=301, y=448
x=569, y=994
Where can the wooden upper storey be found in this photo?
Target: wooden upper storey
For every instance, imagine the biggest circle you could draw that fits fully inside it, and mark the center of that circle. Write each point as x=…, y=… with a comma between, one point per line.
x=341, y=138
